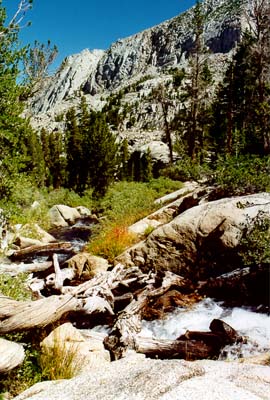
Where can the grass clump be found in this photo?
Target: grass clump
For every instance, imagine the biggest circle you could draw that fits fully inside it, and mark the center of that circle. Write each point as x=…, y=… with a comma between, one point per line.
x=60, y=360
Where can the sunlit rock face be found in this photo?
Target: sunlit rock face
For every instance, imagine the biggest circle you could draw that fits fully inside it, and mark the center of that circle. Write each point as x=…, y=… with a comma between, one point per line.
x=136, y=377
x=166, y=45
x=204, y=243
x=149, y=56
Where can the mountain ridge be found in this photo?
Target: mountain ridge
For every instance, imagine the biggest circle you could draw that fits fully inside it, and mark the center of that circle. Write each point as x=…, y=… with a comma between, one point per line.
x=150, y=53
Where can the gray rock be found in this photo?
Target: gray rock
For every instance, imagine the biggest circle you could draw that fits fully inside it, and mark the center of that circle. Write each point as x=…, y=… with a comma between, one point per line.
x=138, y=378
x=61, y=215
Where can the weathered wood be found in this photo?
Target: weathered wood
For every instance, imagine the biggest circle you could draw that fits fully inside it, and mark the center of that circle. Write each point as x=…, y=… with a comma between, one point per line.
x=66, y=274
x=46, y=249
x=231, y=278
x=92, y=296
x=58, y=274
x=15, y=269
x=224, y=330
x=19, y=316
x=192, y=345
x=128, y=324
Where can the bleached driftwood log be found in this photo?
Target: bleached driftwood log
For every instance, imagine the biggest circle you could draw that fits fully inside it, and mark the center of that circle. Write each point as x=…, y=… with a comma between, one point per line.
x=58, y=274
x=25, y=315
x=15, y=269
x=128, y=324
x=91, y=296
x=11, y=355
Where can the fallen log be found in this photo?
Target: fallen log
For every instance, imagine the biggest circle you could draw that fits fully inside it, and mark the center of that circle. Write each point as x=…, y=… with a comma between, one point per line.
x=16, y=269
x=18, y=316
x=59, y=280
x=166, y=349
x=193, y=345
x=92, y=296
x=46, y=249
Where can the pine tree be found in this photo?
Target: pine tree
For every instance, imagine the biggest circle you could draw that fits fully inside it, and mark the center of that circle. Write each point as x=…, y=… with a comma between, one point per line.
x=160, y=95
x=57, y=163
x=123, y=161
x=241, y=111
x=146, y=166
x=13, y=129
x=101, y=150
x=193, y=118
x=75, y=153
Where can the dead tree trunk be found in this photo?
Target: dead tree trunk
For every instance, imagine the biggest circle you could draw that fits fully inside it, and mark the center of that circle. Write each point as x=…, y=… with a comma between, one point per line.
x=46, y=249
x=128, y=324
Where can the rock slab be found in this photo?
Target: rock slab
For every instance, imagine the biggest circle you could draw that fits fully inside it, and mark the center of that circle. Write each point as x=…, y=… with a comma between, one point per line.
x=137, y=378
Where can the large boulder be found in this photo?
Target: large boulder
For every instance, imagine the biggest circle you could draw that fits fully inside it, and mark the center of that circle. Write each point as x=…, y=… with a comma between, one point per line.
x=86, y=265
x=139, y=378
x=203, y=241
x=32, y=235
x=64, y=216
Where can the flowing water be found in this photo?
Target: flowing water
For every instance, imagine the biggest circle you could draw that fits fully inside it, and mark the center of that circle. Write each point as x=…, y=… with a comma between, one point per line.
x=253, y=325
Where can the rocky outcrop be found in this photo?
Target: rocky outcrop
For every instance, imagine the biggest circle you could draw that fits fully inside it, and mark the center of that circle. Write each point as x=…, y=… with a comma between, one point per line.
x=204, y=241
x=72, y=74
x=61, y=215
x=179, y=246
x=86, y=266
x=138, y=378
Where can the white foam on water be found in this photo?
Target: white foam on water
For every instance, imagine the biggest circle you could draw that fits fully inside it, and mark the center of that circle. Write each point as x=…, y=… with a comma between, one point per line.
x=254, y=326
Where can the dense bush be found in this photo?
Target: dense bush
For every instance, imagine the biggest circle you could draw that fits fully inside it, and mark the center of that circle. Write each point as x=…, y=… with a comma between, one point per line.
x=242, y=175
x=186, y=170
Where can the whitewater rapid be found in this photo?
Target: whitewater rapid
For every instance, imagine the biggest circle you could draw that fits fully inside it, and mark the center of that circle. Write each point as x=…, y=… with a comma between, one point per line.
x=253, y=325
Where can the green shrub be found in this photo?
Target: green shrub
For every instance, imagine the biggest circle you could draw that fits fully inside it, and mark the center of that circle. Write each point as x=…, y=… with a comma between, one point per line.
x=242, y=175
x=148, y=230
x=164, y=185
x=254, y=246
x=186, y=170
x=22, y=377
x=124, y=204
x=127, y=202
x=131, y=201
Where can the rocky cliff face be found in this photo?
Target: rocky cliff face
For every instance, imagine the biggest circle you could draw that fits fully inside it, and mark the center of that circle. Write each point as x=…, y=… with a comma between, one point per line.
x=144, y=59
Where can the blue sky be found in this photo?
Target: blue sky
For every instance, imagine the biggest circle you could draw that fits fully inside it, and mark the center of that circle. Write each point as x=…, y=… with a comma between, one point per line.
x=94, y=24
